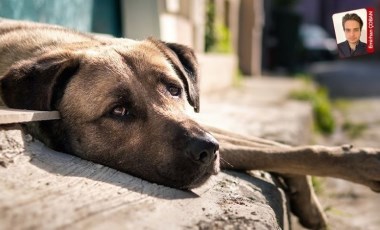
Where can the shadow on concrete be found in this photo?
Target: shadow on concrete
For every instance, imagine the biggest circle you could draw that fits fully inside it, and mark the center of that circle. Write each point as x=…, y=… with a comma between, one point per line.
x=63, y=164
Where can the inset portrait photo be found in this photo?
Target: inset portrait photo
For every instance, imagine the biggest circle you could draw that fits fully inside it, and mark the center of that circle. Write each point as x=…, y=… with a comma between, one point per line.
x=351, y=30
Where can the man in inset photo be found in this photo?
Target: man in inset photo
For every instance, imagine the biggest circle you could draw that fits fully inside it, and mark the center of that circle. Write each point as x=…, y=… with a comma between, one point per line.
x=352, y=26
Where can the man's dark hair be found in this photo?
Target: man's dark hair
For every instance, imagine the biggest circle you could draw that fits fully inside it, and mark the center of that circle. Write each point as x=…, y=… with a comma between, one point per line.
x=354, y=17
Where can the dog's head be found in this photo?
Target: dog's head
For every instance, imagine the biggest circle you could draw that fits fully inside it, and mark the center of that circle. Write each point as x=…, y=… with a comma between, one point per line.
x=122, y=104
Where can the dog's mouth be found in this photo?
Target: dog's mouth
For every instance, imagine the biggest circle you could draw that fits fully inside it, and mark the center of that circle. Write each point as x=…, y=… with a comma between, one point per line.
x=193, y=178
x=213, y=170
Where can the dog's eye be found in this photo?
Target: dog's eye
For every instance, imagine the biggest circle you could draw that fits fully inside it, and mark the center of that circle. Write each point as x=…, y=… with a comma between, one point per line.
x=174, y=90
x=120, y=111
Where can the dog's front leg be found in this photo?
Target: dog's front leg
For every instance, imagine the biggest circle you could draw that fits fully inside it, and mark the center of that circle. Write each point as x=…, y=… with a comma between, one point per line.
x=359, y=165
x=353, y=164
x=303, y=201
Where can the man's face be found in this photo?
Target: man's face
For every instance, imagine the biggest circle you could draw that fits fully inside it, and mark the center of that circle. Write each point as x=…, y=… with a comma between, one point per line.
x=352, y=31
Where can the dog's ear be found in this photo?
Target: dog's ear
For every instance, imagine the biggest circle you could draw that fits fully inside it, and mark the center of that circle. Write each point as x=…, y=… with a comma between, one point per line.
x=185, y=63
x=38, y=84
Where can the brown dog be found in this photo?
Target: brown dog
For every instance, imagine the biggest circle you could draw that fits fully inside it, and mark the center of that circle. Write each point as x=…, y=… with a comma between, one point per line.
x=123, y=104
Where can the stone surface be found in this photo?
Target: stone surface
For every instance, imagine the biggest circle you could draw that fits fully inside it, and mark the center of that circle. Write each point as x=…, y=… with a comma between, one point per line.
x=43, y=189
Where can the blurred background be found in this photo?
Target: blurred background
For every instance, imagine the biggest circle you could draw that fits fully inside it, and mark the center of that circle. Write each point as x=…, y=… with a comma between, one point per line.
x=252, y=38
x=257, y=59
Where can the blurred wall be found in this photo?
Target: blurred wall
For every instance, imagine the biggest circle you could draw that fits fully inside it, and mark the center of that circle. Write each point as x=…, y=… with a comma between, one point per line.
x=75, y=14
x=251, y=23
x=140, y=19
x=183, y=22
x=107, y=17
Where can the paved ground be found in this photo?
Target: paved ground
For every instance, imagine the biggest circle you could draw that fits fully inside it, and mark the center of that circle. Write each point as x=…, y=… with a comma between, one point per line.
x=350, y=206
x=260, y=107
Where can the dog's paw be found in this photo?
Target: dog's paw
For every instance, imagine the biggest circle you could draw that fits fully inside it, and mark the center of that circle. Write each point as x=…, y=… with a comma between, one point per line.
x=362, y=165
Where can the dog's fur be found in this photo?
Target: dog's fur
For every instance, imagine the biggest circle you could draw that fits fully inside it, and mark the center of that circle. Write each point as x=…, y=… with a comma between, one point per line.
x=123, y=104
x=89, y=81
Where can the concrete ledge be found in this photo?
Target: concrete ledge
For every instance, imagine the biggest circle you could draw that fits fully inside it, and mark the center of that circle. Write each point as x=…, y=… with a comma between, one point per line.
x=44, y=189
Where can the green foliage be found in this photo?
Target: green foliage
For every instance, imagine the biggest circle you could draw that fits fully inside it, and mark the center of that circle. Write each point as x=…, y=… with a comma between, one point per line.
x=342, y=104
x=304, y=77
x=223, y=39
x=237, y=81
x=210, y=36
x=354, y=130
x=218, y=36
x=337, y=212
x=323, y=118
x=317, y=184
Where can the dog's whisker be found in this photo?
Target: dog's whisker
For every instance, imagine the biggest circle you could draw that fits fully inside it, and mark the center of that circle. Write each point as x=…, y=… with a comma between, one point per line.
x=226, y=162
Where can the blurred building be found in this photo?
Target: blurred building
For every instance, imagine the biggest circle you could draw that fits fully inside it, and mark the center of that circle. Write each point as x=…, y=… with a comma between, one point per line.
x=73, y=13
x=263, y=34
x=170, y=20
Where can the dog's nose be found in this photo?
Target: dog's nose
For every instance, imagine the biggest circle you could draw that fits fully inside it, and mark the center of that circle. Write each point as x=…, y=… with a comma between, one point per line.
x=203, y=149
